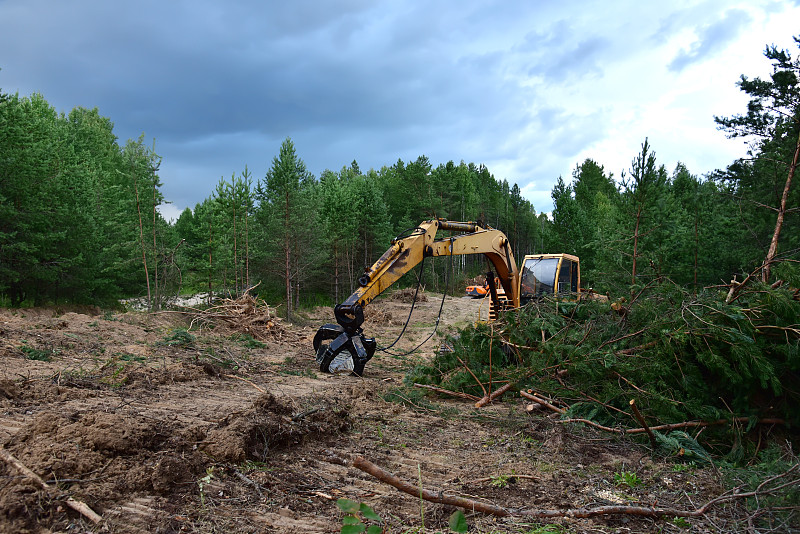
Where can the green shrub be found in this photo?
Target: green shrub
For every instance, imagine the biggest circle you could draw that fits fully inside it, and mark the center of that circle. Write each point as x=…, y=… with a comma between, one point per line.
x=682, y=357
x=180, y=337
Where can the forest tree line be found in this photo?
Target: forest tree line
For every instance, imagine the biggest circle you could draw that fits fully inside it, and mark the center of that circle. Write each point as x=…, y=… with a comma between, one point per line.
x=79, y=218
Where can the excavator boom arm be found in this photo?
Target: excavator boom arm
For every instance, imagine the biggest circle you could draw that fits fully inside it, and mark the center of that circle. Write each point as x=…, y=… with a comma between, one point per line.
x=405, y=253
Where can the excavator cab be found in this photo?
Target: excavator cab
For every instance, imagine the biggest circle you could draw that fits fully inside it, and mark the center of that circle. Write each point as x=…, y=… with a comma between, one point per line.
x=549, y=274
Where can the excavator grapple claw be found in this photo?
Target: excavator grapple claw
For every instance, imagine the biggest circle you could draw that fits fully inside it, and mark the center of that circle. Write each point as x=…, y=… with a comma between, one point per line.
x=349, y=350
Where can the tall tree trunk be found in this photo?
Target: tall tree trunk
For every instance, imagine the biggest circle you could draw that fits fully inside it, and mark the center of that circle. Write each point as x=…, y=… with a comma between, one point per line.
x=235, y=251
x=773, y=246
x=350, y=257
x=287, y=245
x=247, y=244
x=335, y=272
x=636, y=243
x=210, y=263
x=157, y=300
x=696, y=243
x=141, y=240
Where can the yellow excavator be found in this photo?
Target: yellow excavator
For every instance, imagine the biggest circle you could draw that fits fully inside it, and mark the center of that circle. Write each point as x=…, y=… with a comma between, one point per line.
x=541, y=274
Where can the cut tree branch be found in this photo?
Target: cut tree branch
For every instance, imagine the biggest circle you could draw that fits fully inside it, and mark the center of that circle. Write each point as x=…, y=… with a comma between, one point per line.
x=448, y=392
x=673, y=426
x=642, y=422
x=492, y=396
x=644, y=511
x=80, y=507
x=543, y=402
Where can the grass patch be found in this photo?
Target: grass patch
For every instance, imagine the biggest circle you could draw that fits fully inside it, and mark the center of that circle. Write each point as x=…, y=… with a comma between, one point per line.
x=179, y=338
x=37, y=354
x=627, y=478
x=248, y=341
x=127, y=357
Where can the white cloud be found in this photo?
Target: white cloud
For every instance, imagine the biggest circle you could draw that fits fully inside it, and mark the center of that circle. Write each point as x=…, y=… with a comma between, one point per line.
x=170, y=212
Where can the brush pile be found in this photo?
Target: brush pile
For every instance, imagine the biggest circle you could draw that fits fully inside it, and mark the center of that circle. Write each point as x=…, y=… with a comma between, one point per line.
x=681, y=356
x=246, y=315
x=407, y=295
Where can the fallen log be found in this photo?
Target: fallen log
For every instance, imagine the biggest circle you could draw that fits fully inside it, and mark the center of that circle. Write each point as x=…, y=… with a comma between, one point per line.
x=437, y=497
x=492, y=396
x=642, y=511
x=541, y=401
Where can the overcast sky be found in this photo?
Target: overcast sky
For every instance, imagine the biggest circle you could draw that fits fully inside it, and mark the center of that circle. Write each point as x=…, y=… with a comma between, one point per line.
x=528, y=88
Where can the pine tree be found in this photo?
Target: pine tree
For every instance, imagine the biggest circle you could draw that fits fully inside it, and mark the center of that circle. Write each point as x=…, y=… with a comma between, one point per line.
x=643, y=196
x=773, y=119
x=286, y=197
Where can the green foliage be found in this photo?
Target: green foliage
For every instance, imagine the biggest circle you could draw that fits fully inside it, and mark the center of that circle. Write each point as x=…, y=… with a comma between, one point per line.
x=70, y=224
x=690, y=466
x=356, y=514
x=681, y=522
x=79, y=219
x=248, y=341
x=500, y=481
x=290, y=244
x=761, y=183
x=180, y=337
x=458, y=522
x=679, y=444
x=626, y=478
x=681, y=356
x=202, y=483
x=37, y=354
x=773, y=476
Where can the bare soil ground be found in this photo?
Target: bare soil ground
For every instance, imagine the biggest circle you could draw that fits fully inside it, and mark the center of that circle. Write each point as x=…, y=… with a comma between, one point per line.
x=159, y=432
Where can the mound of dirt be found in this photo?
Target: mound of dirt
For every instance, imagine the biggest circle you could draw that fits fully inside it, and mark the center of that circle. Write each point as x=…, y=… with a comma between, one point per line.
x=100, y=456
x=8, y=389
x=269, y=425
x=407, y=295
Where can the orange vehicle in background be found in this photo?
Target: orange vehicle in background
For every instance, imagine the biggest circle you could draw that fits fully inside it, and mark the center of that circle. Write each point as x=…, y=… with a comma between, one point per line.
x=478, y=291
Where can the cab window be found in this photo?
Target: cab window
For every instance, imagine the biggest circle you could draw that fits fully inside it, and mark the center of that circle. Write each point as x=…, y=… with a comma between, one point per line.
x=563, y=277
x=568, y=277
x=538, y=278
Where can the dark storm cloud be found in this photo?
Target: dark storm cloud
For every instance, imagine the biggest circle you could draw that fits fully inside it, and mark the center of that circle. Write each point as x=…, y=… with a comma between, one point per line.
x=711, y=39
x=218, y=88
x=211, y=73
x=523, y=87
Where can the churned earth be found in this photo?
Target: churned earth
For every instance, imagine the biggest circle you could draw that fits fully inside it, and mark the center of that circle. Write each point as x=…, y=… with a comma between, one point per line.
x=161, y=425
